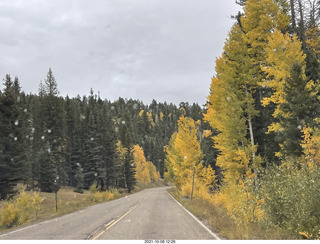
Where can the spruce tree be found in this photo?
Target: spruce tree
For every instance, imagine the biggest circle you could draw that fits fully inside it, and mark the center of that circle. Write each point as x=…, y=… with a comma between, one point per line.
x=52, y=134
x=298, y=111
x=12, y=138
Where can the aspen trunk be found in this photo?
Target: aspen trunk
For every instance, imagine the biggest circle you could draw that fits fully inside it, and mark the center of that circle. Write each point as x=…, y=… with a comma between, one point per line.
x=252, y=144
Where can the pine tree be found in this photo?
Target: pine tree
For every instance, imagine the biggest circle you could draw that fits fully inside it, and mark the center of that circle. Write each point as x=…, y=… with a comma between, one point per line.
x=129, y=171
x=52, y=134
x=93, y=160
x=298, y=111
x=12, y=138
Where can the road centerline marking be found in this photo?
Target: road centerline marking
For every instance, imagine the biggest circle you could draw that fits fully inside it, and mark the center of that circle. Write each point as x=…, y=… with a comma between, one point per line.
x=113, y=222
x=109, y=223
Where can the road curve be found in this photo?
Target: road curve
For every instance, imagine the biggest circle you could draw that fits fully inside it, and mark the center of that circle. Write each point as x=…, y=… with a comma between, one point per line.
x=149, y=214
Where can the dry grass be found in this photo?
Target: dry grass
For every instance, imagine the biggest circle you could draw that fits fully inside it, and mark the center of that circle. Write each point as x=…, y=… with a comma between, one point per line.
x=68, y=201
x=217, y=219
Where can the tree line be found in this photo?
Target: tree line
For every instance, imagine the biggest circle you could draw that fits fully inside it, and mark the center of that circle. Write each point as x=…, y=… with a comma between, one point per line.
x=46, y=139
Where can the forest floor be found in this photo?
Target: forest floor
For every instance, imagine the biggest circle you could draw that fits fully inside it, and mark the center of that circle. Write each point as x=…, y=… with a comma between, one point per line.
x=70, y=201
x=217, y=220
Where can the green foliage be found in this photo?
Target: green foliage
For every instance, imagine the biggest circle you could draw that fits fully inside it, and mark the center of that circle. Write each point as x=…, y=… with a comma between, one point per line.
x=13, y=147
x=292, y=198
x=298, y=111
x=45, y=138
x=93, y=188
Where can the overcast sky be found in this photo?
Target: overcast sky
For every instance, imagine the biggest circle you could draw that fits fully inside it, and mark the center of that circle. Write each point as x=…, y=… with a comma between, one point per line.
x=141, y=49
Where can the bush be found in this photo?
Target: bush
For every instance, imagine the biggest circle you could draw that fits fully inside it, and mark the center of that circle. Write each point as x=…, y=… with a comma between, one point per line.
x=77, y=190
x=9, y=215
x=241, y=203
x=93, y=188
x=102, y=196
x=21, y=210
x=292, y=197
x=115, y=193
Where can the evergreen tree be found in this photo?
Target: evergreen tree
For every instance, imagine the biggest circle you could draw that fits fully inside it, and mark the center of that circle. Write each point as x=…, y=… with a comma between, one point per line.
x=12, y=138
x=52, y=134
x=298, y=111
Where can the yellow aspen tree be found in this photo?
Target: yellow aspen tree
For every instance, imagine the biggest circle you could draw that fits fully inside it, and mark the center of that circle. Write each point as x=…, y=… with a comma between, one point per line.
x=313, y=40
x=231, y=107
x=161, y=116
x=183, y=154
x=234, y=92
x=142, y=170
x=152, y=171
x=281, y=53
x=156, y=176
x=141, y=113
x=311, y=147
x=260, y=18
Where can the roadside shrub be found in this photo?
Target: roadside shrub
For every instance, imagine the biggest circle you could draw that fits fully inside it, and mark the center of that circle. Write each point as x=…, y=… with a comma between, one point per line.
x=292, y=196
x=107, y=195
x=77, y=190
x=241, y=203
x=9, y=215
x=102, y=196
x=115, y=193
x=93, y=188
x=21, y=210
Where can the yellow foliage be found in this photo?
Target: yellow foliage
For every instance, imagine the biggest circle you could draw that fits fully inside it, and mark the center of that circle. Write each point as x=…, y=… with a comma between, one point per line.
x=151, y=119
x=102, y=196
x=9, y=215
x=282, y=52
x=122, y=151
x=183, y=152
x=161, y=116
x=311, y=147
x=313, y=39
x=305, y=234
x=240, y=202
x=207, y=133
x=21, y=210
x=149, y=115
x=260, y=18
x=145, y=171
x=153, y=173
x=156, y=176
x=183, y=156
x=28, y=203
x=204, y=178
x=141, y=113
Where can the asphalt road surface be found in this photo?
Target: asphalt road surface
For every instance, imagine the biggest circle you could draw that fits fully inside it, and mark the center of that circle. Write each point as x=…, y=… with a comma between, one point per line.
x=151, y=214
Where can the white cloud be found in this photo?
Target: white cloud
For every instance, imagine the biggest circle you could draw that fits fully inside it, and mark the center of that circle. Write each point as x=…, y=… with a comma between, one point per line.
x=142, y=49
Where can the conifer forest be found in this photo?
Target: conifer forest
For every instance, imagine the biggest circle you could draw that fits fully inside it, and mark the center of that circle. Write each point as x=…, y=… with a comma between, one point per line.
x=253, y=148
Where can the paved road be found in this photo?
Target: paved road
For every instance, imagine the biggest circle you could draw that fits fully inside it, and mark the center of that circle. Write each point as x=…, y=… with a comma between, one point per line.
x=149, y=214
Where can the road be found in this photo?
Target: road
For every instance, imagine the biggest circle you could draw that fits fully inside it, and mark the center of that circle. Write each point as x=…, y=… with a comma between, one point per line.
x=151, y=214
